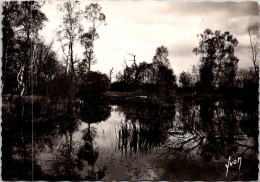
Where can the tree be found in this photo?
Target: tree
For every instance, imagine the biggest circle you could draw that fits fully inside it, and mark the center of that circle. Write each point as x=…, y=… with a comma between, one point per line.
x=9, y=59
x=21, y=24
x=218, y=64
x=161, y=57
x=253, y=29
x=128, y=75
x=145, y=73
x=110, y=77
x=195, y=74
x=46, y=66
x=163, y=75
x=156, y=76
x=96, y=18
x=92, y=83
x=246, y=78
x=185, y=79
x=165, y=80
x=32, y=20
x=70, y=31
x=136, y=71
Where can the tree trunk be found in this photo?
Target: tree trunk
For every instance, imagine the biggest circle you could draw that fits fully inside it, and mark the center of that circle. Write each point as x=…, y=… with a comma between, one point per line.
x=71, y=58
x=20, y=80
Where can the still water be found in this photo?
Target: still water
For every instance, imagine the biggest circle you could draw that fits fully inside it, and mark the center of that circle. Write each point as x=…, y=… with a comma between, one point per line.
x=106, y=139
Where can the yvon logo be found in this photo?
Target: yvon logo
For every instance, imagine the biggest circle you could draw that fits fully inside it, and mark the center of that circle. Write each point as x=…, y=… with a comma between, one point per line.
x=234, y=162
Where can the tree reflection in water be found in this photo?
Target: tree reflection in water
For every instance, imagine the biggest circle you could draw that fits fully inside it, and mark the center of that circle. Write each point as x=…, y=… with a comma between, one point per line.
x=74, y=160
x=207, y=133
x=57, y=155
x=16, y=150
x=194, y=138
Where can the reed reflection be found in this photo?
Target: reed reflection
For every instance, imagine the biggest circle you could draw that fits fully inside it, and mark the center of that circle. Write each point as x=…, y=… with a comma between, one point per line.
x=144, y=128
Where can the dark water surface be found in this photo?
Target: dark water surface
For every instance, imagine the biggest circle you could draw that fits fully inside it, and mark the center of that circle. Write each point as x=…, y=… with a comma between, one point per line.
x=105, y=139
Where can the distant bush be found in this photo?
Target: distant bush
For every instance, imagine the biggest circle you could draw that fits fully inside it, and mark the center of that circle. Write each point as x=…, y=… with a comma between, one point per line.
x=92, y=83
x=61, y=87
x=121, y=86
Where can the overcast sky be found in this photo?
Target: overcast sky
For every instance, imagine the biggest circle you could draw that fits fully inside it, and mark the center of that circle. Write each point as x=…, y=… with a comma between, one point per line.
x=140, y=27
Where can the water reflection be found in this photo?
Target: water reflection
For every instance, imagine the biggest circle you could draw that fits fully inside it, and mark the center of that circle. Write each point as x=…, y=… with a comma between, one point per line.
x=58, y=154
x=16, y=142
x=94, y=110
x=145, y=126
x=208, y=132
x=101, y=139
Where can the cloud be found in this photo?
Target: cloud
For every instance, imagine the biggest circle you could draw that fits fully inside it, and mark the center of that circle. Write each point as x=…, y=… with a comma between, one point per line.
x=141, y=27
x=235, y=9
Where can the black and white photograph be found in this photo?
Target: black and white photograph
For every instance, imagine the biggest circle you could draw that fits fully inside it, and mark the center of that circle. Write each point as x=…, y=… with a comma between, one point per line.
x=130, y=90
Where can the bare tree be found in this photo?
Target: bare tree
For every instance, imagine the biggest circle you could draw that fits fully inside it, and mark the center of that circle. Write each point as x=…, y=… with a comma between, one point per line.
x=253, y=30
x=134, y=60
x=135, y=69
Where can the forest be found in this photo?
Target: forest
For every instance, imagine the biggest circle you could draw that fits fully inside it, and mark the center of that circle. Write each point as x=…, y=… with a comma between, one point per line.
x=58, y=91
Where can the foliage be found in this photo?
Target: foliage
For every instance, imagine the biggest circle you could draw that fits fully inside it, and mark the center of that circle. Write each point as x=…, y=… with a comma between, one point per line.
x=246, y=77
x=218, y=64
x=69, y=31
x=21, y=23
x=156, y=75
x=121, y=86
x=161, y=57
x=185, y=79
x=247, y=83
x=95, y=17
x=60, y=87
x=92, y=83
x=31, y=66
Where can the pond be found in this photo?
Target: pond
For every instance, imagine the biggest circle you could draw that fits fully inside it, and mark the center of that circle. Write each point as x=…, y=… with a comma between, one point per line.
x=105, y=139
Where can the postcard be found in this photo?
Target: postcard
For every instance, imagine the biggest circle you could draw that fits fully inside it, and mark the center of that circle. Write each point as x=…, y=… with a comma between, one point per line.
x=130, y=90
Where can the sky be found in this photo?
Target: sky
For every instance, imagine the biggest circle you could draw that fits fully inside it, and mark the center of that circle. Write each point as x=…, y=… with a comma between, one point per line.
x=140, y=27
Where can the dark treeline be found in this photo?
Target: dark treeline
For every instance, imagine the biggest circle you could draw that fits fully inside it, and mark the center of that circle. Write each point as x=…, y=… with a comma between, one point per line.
x=217, y=71
x=156, y=77
x=30, y=66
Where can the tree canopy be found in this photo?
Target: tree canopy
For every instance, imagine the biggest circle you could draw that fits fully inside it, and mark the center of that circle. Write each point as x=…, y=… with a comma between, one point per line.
x=218, y=63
